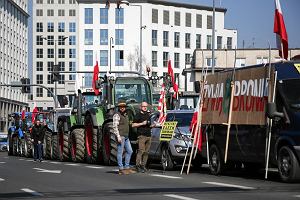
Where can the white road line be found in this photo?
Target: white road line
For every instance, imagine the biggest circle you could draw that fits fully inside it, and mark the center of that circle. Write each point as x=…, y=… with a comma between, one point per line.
x=165, y=176
x=230, y=185
x=55, y=162
x=29, y=160
x=2, y=162
x=297, y=196
x=72, y=164
x=21, y=159
x=1, y=179
x=179, y=197
x=48, y=171
x=94, y=167
x=34, y=193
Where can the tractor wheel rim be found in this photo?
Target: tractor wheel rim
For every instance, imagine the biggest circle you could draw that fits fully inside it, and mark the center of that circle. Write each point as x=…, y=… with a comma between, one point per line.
x=88, y=138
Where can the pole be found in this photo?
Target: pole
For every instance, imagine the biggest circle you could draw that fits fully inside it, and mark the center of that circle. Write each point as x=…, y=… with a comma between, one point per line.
x=55, y=63
x=213, y=40
x=141, y=38
x=111, y=40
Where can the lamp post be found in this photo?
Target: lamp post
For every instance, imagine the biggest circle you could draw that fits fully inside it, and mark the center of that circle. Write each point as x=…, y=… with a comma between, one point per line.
x=213, y=39
x=55, y=63
x=111, y=42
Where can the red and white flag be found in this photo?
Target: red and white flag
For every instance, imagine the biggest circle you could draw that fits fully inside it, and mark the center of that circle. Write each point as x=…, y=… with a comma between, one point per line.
x=34, y=112
x=171, y=73
x=162, y=106
x=194, y=127
x=280, y=30
x=95, y=78
x=23, y=114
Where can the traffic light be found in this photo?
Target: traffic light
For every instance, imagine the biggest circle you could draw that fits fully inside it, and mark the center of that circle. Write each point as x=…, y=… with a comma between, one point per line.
x=26, y=83
x=55, y=73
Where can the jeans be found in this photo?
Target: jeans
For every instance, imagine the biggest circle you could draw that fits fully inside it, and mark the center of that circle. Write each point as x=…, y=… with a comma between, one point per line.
x=38, y=148
x=124, y=144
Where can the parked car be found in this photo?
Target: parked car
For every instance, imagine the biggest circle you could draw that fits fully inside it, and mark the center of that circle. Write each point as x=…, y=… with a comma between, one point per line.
x=3, y=142
x=172, y=153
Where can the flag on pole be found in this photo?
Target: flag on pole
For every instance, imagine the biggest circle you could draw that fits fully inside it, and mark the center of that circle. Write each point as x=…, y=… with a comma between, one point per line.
x=34, y=112
x=23, y=114
x=193, y=127
x=171, y=73
x=280, y=30
x=95, y=78
x=162, y=106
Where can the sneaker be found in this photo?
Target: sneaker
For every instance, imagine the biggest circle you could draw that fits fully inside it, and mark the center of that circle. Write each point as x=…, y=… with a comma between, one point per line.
x=144, y=168
x=140, y=169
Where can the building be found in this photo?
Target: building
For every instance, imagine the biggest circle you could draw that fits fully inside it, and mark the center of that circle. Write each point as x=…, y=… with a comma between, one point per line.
x=13, y=56
x=55, y=42
x=226, y=58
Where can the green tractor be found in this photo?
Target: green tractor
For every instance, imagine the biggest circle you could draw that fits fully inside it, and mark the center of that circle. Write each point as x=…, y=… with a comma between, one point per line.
x=92, y=139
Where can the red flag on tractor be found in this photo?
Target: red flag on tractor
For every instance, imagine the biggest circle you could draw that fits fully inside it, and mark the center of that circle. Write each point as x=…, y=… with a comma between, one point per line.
x=171, y=73
x=95, y=78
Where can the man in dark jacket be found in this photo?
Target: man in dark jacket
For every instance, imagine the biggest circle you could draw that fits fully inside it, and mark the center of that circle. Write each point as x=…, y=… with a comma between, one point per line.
x=37, y=138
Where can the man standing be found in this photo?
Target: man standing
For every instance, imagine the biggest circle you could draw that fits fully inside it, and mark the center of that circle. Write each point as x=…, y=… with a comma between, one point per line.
x=121, y=130
x=141, y=122
x=38, y=137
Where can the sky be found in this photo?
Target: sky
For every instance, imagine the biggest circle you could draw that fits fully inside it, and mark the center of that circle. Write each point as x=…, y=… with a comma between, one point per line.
x=254, y=20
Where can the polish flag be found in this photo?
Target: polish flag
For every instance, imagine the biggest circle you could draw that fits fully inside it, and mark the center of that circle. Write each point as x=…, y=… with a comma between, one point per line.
x=194, y=127
x=23, y=113
x=162, y=106
x=95, y=78
x=171, y=73
x=281, y=34
x=34, y=112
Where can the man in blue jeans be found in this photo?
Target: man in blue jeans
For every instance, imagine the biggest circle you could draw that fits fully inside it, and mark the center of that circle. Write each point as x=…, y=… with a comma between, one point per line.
x=37, y=138
x=121, y=130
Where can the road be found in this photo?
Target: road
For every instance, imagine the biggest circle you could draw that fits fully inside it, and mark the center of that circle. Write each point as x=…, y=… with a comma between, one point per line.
x=21, y=178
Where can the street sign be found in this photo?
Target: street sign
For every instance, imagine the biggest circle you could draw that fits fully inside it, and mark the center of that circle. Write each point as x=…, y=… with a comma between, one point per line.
x=167, y=131
x=16, y=83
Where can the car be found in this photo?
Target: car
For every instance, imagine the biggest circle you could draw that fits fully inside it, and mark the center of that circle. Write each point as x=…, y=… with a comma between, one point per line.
x=172, y=153
x=3, y=142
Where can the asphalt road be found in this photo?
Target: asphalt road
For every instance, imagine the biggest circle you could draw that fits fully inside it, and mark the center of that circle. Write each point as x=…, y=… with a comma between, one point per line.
x=21, y=178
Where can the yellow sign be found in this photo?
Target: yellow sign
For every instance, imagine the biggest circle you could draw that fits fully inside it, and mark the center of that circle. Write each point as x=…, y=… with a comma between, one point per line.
x=297, y=67
x=167, y=131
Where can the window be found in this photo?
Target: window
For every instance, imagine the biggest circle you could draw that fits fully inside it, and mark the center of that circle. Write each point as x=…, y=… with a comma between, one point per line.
x=165, y=59
x=39, y=53
x=103, y=58
x=72, y=67
x=262, y=60
x=39, y=27
x=72, y=12
x=187, y=58
x=88, y=57
x=72, y=27
x=229, y=42
x=50, y=1
x=72, y=1
x=208, y=42
x=166, y=38
x=49, y=79
x=103, y=36
x=209, y=22
x=240, y=62
x=39, y=79
x=119, y=57
x=72, y=40
x=61, y=66
x=155, y=16
x=103, y=16
x=50, y=27
x=39, y=40
x=61, y=79
x=166, y=17
x=154, y=37
x=176, y=60
x=61, y=1
x=88, y=36
x=198, y=41
x=50, y=95
x=198, y=21
x=219, y=42
x=119, y=36
x=61, y=53
x=154, y=58
x=39, y=1
x=119, y=16
x=209, y=62
x=88, y=15
x=50, y=53
x=188, y=19
x=187, y=40
x=61, y=40
x=39, y=66
x=50, y=66
x=39, y=92
x=177, y=39
x=61, y=27
x=61, y=12
x=72, y=53
x=50, y=13
x=177, y=18
x=50, y=40
x=39, y=12
x=88, y=79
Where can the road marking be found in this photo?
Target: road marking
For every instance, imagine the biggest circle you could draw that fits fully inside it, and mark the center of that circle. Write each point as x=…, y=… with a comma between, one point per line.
x=34, y=193
x=48, y=171
x=165, y=176
x=297, y=196
x=55, y=162
x=179, y=197
x=94, y=167
x=2, y=179
x=2, y=162
x=21, y=159
x=72, y=164
x=29, y=160
x=230, y=185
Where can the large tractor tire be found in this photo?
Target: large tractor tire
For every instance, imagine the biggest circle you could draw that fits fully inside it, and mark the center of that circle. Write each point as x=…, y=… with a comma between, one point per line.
x=22, y=147
x=9, y=144
x=54, y=147
x=47, y=145
x=28, y=146
x=109, y=145
x=77, y=146
x=90, y=136
x=15, y=141
x=63, y=143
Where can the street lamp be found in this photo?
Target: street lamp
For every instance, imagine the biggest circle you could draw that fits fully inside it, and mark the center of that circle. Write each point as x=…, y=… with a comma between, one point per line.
x=111, y=42
x=213, y=39
x=55, y=61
